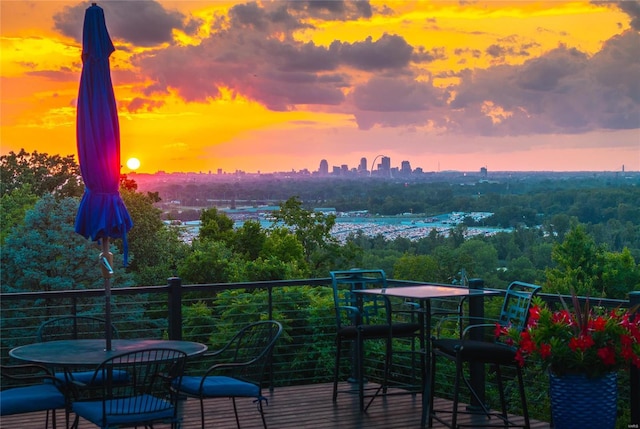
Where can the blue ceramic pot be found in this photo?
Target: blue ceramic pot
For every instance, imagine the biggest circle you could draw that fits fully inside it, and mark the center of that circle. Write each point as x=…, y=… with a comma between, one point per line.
x=581, y=402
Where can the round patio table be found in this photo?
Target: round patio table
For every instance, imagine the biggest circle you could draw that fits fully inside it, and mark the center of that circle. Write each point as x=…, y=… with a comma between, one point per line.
x=70, y=353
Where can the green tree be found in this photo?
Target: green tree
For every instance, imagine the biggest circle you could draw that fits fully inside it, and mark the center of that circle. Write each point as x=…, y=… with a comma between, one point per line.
x=13, y=207
x=46, y=174
x=249, y=239
x=579, y=262
x=479, y=258
x=45, y=253
x=416, y=268
x=208, y=262
x=620, y=274
x=313, y=229
x=154, y=247
x=215, y=225
x=589, y=269
x=521, y=269
x=322, y=251
x=281, y=244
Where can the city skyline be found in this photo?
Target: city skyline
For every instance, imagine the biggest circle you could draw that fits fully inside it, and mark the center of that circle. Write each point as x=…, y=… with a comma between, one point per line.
x=277, y=86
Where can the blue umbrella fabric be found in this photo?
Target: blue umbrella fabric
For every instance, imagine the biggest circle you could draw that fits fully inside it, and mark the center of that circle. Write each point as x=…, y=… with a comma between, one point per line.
x=102, y=213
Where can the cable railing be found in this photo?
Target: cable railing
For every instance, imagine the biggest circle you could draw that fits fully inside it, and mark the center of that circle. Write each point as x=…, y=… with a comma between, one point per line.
x=211, y=313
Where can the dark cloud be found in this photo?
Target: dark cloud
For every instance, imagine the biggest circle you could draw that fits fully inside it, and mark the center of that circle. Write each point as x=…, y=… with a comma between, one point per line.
x=301, y=57
x=249, y=15
x=386, y=94
x=390, y=51
x=563, y=91
x=475, y=53
x=496, y=51
x=254, y=54
x=142, y=23
x=421, y=55
x=546, y=72
x=388, y=102
x=509, y=46
x=333, y=10
x=630, y=7
x=143, y=104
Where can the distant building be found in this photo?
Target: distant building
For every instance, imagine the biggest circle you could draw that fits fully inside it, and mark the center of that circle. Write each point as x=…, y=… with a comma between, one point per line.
x=324, y=168
x=362, y=168
x=405, y=167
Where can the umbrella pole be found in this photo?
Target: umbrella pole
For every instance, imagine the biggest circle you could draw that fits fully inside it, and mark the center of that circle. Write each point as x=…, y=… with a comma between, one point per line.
x=106, y=264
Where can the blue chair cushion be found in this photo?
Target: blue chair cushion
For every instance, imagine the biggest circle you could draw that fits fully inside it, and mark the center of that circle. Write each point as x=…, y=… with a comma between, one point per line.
x=218, y=386
x=125, y=411
x=20, y=400
x=85, y=377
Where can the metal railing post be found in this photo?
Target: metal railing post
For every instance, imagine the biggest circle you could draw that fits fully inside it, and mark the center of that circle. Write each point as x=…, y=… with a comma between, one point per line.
x=175, y=308
x=634, y=373
x=476, y=369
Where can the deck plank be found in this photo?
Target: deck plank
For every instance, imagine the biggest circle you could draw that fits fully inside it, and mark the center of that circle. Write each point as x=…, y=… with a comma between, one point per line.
x=295, y=407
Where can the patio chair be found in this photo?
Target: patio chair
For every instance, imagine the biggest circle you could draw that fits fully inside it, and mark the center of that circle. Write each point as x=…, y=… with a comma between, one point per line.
x=477, y=344
x=74, y=328
x=371, y=318
x=28, y=388
x=149, y=395
x=239, y=368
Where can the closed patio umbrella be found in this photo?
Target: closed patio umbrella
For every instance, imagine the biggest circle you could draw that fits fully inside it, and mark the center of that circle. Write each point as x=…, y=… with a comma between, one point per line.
x=102, y=214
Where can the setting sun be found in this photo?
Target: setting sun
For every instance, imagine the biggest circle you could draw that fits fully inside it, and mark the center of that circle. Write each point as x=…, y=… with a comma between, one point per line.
x=133, y=163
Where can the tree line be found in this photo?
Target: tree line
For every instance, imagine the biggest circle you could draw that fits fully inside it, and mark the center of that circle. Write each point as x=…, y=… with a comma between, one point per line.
x=585, y=238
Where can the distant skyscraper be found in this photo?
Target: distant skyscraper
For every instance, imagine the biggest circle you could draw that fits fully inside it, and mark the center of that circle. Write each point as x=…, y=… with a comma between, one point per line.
x=324, y=167
x=405, y=167
x=385, y=165
x=362, y=168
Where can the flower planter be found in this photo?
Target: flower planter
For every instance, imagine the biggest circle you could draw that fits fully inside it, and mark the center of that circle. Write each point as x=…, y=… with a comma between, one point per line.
x=580, y=402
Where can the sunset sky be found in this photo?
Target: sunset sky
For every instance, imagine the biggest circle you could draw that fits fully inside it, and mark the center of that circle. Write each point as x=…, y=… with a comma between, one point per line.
x=279, y=86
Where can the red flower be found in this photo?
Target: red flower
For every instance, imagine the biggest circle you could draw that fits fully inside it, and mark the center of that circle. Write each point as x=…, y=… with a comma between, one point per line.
x=599, y=324
x=608, y=355
x=500, y=330
x=583, y=342
x=534, y=314
x=545, y=351
x=563, y=317
x=526, y=344
x=589, y=340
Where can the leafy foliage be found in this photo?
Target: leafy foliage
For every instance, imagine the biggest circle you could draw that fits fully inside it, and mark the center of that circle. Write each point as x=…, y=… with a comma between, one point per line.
x=580, y=340
x=589, y=269
x=44, y=173
x=13, y=207
x=45, y=253
x=322, y=252
x=155, y=247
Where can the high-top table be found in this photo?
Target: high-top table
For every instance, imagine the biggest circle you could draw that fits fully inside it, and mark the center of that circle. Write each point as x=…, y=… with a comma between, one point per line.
x=74, y=353
x=424, y=294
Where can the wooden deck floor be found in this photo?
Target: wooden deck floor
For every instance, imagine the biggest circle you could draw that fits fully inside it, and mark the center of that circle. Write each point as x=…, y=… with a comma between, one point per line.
x=307, y=406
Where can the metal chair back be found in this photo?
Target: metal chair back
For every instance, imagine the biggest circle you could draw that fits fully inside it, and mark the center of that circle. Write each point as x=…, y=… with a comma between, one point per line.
x=147, y=395
x=73, y=328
